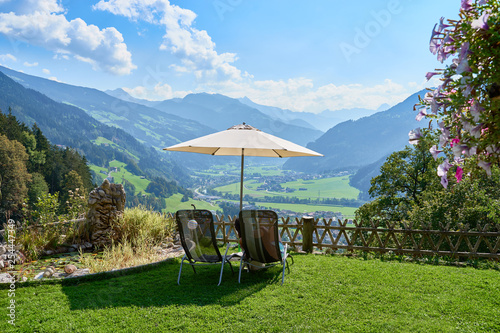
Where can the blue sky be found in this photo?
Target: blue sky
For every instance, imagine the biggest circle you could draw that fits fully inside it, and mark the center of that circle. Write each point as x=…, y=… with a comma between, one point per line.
x=301, y=55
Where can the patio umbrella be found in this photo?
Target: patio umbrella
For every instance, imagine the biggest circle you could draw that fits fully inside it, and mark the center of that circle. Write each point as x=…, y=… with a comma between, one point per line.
x=243, y=140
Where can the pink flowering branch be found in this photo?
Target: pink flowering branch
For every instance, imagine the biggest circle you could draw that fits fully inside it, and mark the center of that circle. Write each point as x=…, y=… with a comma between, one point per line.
x=466, y=106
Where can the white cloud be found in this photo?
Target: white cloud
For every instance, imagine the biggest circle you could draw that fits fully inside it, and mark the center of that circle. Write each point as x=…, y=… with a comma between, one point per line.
x=193, y=47
x=300, y=94
x=46, y=71
x=297, y=94
x=27, y=64
x=7, y=57
x=158, y=93
x=43, y=23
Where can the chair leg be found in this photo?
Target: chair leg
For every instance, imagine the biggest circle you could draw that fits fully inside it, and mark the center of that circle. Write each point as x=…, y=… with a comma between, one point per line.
x=221, y=271
x=180, y=270
x=283, y=275
x=241, y=266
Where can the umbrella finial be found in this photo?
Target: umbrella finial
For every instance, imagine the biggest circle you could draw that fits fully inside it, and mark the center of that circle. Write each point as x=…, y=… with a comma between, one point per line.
x=243, y=126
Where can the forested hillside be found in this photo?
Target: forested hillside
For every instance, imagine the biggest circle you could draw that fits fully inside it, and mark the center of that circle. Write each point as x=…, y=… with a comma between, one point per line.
x=68, y=126
x=31, y=167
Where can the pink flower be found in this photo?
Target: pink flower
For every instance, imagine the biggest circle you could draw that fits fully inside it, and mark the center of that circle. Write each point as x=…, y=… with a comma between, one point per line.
x=442, y=172
x=442, y=26
x=475, y=110
x=444, y=181
x=429, y=75
x=481, y=22
x=486, y=166
x=443, y=168
x=459, y=174
x=434, y=152
x=466, y=4
x=421, y=114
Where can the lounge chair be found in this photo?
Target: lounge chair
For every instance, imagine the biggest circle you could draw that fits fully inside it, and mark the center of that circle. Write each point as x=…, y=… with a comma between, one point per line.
x=261, y=242
x=197, y=233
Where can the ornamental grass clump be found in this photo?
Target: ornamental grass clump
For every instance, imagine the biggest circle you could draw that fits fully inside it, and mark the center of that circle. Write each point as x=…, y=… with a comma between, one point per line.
x=139, y=226
x=138, y=235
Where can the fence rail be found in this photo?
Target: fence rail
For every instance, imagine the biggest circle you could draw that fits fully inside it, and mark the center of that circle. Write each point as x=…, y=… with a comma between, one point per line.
x=398, y=238
x=349, y=235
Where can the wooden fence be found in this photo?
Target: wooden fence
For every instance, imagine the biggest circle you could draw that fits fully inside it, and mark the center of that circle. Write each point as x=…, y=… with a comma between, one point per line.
x=397, y=238
x=349, y=235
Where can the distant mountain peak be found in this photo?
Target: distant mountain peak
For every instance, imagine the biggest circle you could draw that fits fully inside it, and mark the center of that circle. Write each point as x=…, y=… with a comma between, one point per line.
x=383, y=107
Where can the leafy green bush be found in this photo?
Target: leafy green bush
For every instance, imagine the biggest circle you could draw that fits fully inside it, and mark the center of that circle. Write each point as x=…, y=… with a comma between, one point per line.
x=471, y=203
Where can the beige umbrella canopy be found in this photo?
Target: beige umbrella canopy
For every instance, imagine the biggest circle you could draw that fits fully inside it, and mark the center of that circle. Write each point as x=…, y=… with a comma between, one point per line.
x=243, y=140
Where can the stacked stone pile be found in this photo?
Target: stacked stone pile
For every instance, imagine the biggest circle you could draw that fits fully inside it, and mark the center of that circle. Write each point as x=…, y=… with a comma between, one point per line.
x=10, y=255
x=106, y=205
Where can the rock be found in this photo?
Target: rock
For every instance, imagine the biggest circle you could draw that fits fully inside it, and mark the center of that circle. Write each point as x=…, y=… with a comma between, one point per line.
x=49, y=252
x=59, y=275
x=105, y=210
x=6, y=278
x=39, y=276
x=70, y=269
x=49, y=271
x=62, y=249
x=79, y=272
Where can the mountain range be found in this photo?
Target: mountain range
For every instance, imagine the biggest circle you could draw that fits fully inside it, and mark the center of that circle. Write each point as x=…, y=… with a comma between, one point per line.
x=138, y=129
x=356, y=143
x=69, y=126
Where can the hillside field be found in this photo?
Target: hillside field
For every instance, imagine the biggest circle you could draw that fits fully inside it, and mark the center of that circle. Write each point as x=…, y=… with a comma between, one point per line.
x=335, y=187
x=140, y=183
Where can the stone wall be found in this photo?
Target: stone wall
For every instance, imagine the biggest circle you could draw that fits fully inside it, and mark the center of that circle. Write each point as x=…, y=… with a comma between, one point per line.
x=106, y=205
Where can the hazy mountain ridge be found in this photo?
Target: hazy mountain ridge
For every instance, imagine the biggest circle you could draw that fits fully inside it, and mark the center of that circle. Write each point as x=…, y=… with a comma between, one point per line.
x=146, y=124
x=70, y=126
x=221, y=112
x=322, y=121
x=354, y=144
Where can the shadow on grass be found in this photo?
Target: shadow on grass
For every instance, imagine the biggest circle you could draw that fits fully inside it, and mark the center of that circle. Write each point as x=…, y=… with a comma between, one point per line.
x=157, y=286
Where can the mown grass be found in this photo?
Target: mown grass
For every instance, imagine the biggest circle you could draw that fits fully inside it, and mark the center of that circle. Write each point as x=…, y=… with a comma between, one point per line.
x=321, y=294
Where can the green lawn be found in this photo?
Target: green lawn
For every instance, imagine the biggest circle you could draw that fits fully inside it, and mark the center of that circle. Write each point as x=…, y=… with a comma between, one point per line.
x=321, y=294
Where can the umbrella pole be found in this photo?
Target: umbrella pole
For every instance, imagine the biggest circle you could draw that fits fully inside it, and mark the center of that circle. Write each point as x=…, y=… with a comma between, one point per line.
x=241, y=177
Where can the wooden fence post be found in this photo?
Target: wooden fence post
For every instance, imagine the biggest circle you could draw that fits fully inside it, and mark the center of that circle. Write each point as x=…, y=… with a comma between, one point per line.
x=307, y=233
